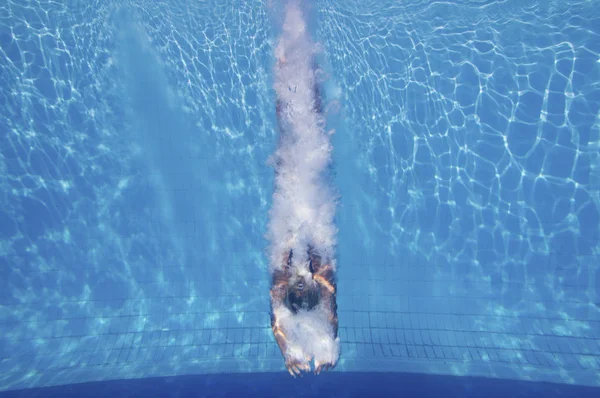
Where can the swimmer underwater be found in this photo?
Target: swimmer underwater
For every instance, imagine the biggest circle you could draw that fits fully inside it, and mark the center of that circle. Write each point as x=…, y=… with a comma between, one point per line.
x=303, y=291
x=298, y=290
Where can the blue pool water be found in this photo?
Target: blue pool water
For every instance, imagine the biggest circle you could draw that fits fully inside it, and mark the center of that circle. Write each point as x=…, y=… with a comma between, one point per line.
x=135, y=193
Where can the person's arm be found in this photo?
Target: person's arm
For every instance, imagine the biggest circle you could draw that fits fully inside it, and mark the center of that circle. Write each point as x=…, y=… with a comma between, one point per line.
x=328, y=290
x=278, y=291
x=294, y=365
x=279, y=287
x=324, y=275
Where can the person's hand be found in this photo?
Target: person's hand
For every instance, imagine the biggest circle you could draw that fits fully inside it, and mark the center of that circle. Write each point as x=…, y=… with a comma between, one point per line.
x=296, y=366
x=322, y=366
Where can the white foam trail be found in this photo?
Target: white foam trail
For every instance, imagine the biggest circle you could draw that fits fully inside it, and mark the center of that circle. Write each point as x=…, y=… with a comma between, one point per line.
x=309, y=334
x=303, y=202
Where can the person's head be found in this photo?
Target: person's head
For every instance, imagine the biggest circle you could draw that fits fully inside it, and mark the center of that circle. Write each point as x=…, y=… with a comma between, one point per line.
x=303, y=293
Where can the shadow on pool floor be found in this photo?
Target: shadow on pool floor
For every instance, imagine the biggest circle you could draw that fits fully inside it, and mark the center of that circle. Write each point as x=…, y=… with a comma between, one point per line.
x=334, y=384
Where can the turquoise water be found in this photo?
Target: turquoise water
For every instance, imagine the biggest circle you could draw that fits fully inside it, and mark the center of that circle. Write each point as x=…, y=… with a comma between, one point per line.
x=135, y=189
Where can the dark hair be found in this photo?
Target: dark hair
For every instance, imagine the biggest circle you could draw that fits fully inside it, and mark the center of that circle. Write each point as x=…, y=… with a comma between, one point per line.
x=306, y=300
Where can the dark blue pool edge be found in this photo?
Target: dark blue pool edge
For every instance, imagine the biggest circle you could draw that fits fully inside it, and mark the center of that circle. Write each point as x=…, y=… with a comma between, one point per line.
x=329, y=384
x=225, y=375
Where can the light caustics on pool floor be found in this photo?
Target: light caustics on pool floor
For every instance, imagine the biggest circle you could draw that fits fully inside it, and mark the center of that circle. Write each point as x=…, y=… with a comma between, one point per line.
x=134, y=189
